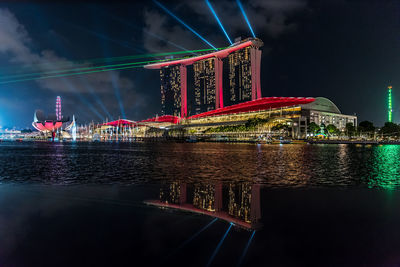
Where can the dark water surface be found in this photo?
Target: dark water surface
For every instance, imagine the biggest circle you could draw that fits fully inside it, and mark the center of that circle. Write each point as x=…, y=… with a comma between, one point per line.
x=82, y=204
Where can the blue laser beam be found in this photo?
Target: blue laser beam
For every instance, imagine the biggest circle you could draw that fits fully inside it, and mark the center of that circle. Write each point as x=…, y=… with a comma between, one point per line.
x=219, y=245
x=192, y=237
x=81, y=79
x=198, y=233
x=114, y=82
x=245, y=17
x=97, y=98
x=184, y=24
x=147, y=32
x=246, y=248
x=82, y=98
x=104, y=37
x=219, y=22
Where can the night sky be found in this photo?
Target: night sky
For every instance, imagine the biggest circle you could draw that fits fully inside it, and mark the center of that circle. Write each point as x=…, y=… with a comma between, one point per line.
x=347, y=51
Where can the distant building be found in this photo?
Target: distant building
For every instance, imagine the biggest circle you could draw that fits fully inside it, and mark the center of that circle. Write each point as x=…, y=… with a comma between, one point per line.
x=323, y=111
x=51, y=122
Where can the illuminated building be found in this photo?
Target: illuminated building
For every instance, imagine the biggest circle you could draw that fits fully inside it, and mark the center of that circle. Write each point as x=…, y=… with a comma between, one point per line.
x=296, y=112
x=322, y=111
x=204, y=85
x=244, y=77
x=390, y=109
x=49, y=123
x=170, y=91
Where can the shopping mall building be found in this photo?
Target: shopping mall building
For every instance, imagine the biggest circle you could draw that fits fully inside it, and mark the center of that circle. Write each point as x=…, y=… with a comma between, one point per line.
x=296, y=112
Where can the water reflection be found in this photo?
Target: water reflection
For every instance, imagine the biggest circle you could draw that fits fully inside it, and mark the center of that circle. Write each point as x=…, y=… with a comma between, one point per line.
x=237, y=203
x=294, y=166
x=385, y=170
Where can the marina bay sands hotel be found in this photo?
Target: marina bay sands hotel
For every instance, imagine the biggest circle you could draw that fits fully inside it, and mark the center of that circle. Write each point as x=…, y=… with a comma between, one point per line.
x=223, y=88
x=194, y=85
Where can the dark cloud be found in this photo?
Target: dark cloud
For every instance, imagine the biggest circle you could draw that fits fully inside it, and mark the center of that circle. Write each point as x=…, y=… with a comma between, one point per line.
x=265, y=16
x=15, y=41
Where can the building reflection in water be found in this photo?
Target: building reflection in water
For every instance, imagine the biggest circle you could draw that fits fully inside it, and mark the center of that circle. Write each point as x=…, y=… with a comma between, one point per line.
x=238, y=203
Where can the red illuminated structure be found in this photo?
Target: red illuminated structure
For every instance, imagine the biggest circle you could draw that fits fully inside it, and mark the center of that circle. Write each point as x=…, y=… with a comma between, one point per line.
x=50, y=126
x=265, y=103
x=166, y=118
x=50, y=123
x=120, y=122
x=255, y=59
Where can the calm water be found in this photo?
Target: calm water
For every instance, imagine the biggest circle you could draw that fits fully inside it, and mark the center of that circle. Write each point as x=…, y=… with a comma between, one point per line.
x=83, y=204
x=270, y=165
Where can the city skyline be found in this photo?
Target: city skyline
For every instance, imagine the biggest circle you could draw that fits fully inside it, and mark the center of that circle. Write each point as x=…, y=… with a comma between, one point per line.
x=320, y=63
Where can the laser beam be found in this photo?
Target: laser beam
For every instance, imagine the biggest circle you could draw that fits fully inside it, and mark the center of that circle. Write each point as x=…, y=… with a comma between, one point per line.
x=121, y=59
x=102, y=36
x=245, y=17
x=97, y=98
x=246, y=248
x=78, y=69
x=184, y=24
x=147, y=32
x=219, y=22
x=69, y=74
x=219, y=245
x=82, y=98
x=192, y=237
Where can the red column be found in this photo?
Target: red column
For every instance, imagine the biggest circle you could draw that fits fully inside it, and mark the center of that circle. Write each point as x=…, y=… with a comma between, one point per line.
x=219, y=95
x=218, y=197
x=258, y=71
x=255, y=57
x=182, y=196
x=255, y=208
x=183, y=73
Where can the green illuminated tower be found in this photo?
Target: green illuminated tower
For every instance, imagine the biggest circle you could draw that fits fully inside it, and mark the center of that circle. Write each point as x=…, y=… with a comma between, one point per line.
x=390, y=103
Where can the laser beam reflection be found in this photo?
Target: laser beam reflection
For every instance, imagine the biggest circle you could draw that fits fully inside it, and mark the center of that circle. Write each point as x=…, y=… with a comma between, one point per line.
x=219, y=245
x=246, y=248
x=219, y=22
x=192, y=237
x=184, y=24
x=245, y=17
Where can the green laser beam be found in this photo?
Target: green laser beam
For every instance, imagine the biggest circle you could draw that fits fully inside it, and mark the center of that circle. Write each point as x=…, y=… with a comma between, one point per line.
x=68, y=74
x=124, y=58
x=78, y=69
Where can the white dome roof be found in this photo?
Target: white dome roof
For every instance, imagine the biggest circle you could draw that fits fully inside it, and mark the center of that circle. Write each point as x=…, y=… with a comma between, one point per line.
x=322, y=104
